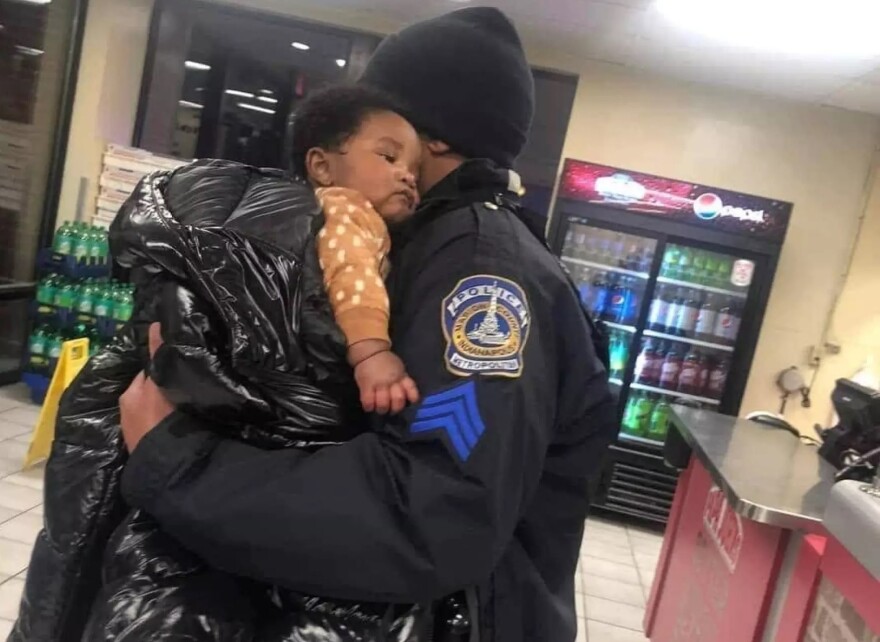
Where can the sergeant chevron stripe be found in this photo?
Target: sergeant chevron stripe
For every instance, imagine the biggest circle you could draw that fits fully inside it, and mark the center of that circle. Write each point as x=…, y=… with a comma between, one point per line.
x=454, y=411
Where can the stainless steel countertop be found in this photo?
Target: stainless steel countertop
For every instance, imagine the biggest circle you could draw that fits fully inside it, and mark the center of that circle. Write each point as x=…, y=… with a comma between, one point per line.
x=767, y=474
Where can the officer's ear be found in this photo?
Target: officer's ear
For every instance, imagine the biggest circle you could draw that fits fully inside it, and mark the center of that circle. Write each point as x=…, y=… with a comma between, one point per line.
x=437, y=147
x=319, y=167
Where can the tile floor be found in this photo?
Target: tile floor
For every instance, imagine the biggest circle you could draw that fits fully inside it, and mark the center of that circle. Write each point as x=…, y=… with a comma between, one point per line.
x=613, y=580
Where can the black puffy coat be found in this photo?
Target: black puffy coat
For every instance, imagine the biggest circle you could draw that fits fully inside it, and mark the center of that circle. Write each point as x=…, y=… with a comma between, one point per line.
x=223, y=257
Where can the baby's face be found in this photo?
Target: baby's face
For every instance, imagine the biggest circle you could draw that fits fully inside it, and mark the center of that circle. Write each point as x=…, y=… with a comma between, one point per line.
x=381, y=162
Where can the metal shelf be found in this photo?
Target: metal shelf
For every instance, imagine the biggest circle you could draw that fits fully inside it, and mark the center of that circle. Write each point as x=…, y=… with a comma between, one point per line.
x=615, y=381
x=640, y=440
x=620, y=326
x=673, y=393
x=700, y=286
x=695, y=342
x=609, y=268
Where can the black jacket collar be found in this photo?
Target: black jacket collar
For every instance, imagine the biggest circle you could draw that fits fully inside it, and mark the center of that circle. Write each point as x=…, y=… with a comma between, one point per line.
x=475, y=181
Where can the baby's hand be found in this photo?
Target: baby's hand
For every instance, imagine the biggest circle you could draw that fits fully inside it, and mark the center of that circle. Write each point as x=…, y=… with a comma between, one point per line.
x=384, y=384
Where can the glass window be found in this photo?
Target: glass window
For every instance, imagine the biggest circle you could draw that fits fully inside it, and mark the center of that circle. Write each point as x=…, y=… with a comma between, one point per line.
x=38, y=41
x=223, y=82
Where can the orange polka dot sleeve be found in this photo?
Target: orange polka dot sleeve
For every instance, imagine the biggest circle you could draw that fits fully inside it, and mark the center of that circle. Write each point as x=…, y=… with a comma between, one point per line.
x=353, y=248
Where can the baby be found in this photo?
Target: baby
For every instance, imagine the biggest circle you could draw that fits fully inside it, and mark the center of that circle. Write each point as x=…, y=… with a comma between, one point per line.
x=362, y=158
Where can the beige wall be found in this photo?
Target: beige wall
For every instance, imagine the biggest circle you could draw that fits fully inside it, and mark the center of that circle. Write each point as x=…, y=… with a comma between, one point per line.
x=817, y=158
x=114, y=49
x=855, y=325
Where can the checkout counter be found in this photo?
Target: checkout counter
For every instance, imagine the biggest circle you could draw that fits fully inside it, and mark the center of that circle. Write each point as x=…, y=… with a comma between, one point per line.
x=762, y=545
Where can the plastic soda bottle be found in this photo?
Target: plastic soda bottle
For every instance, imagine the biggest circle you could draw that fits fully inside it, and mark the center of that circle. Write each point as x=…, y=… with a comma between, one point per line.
x=123, y=305
x=642, y=419
x=628, y=424
x=46, y=290
x=669, y=267
x=686, y=264
x=658, y=425
x=63, y=243
x=710, y=274
x=86, y=300
x=81, y=242
x=698, y=269
x=54, y=343
x=104, y=301
x=724, y=268
x=37, y=349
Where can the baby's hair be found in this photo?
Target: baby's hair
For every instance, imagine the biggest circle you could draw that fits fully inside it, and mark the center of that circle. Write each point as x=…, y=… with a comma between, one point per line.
x=328, y=117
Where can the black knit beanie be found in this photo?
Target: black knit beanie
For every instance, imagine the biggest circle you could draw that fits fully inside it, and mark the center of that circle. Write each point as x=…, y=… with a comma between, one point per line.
x=464, y=80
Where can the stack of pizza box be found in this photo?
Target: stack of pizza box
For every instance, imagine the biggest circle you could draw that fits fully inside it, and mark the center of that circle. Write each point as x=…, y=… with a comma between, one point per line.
x=123, y=168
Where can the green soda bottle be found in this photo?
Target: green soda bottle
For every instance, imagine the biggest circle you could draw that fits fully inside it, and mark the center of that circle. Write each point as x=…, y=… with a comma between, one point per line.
x=85, y=303
x=81, y=242
x=123, y=305
x=64, y=295
x=37, y=348
x=104, y=301
x=711, y=269
x=669, y=267
x=63, y=243
x=642, y=414
x=629, y=413
x=685, y=264
x=659, y=423
x=54, y=343
x=46, y=290
x=698, y=269
x=100, y=247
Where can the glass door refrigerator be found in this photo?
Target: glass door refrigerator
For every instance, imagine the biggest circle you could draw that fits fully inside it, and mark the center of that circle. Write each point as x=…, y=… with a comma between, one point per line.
x=680, y=273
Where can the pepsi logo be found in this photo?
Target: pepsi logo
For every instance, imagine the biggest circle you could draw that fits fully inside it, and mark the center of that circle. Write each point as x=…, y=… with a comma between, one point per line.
x=708, y=206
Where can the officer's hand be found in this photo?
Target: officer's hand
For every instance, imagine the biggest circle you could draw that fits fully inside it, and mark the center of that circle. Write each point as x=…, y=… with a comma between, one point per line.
x=143, y=406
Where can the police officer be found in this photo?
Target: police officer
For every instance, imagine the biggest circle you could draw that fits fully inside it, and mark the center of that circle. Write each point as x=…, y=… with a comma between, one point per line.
x=483, y=485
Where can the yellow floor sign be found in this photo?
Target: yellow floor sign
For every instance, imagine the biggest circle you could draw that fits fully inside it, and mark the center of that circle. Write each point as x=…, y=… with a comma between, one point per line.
x=74, y=355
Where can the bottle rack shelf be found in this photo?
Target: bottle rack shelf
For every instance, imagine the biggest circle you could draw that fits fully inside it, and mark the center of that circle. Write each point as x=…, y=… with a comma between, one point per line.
x=700, y=286
x=608, y=268
x=640, y=440
x=673, y=393
x=619, y=326
x=694, y=342
x=66, y=265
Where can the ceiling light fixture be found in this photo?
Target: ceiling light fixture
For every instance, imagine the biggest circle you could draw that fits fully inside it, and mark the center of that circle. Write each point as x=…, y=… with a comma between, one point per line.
x=267, y=91
x=256, y=108
x=300, y=45
x=267, y=99
x=241, y=94
x=340, y=62
x=35, y=1
x=191, y=105
x=196, y=66
x=843, y=28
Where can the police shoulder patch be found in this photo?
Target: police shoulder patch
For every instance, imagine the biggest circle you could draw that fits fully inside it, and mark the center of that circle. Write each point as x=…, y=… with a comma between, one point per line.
x=486, y=321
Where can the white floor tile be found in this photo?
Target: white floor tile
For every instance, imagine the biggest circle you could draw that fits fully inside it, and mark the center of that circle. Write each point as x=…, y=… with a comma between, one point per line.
x=602, y=551
x=14, y=450
x=37, y=510
x=601, y=632
x=616, y=613
x=614, y=590
x=9, y=430
x=646, y=561
x=31, y=477
x=14, y=556
x=5, y=628
x=10, y=597
x=8, y=513
x=23, y=415
x=644, y=545
x=8, y=404
x=611, y=570
x=637, y=532
x=9, y=466
x=23, y=528
x=17, y=392
x=607, y=537
x=579, y=606
x=19, y=497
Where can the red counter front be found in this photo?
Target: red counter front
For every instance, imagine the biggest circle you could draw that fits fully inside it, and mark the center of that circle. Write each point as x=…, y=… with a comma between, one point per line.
x=720, y=575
